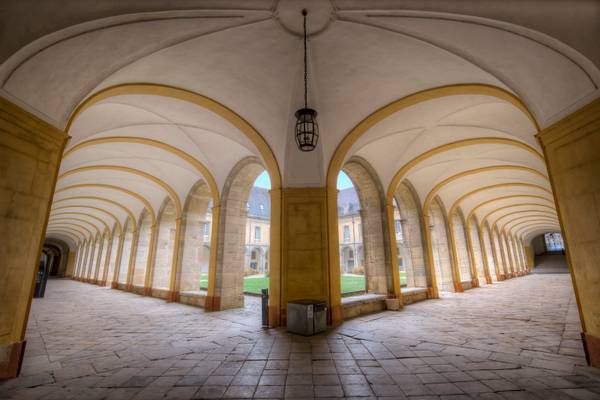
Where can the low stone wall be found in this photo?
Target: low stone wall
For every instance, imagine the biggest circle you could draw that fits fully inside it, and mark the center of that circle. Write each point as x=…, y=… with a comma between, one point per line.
x=197, y=299
x=413, y=295
x=360, y=305
x=160, y=293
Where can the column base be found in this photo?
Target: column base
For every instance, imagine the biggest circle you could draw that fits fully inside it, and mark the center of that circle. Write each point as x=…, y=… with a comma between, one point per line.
x=432, y=293
x=474, y=283
x=11, y=359
x=172, y=296
x=129, y=287
x=147, y=291
x=591, y=347
x=488, y=280
x=212, y=303
x=458, y=287
x=274, y=317
x=336, y=315
x=114, y=285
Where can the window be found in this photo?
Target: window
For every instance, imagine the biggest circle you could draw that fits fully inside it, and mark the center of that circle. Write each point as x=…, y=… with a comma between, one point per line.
x=206, y=231
x=257, y=233
x=398, y=225
x=358, y=233
x=554, y=242
x=346, y=233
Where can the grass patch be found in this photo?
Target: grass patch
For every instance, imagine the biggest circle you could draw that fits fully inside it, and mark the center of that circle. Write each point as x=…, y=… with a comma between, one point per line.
x=254, y=284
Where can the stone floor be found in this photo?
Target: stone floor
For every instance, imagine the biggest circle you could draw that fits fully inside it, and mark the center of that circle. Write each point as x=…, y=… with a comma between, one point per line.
x=517, y=339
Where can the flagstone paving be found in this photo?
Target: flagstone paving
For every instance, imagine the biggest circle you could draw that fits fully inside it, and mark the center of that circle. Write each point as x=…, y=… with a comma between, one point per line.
x=517, y=339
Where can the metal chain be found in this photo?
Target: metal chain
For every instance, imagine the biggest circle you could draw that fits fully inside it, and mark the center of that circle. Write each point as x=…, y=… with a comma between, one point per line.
x=305, y=66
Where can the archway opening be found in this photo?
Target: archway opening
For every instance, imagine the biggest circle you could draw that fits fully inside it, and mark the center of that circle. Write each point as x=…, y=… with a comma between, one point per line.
x=353, y=279
x=409, y=238
x=256, y=243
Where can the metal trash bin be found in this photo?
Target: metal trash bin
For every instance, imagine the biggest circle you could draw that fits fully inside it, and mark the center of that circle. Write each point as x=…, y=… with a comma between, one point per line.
x=306, y=317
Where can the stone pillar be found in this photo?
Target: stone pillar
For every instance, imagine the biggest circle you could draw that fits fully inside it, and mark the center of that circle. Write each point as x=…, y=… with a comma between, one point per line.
x=132, y=256
x=306, y=272
x=115, y=278
x=106, y=261
x=30, y=151
x=572, y=151
x=173, y=294
x=98, y=261
x=70, y=264
x=454, y=254
x=151, y=259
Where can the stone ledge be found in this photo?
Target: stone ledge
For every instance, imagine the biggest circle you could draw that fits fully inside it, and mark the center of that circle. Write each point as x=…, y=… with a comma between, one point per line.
x=193, y=298
x=364, y=304
x=413, y=295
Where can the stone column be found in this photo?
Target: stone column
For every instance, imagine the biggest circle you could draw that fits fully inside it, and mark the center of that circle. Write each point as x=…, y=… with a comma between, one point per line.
x=115, y=278
x=151, y=259
x=173, y=294
x=106, y=261
x=30, y=151
x=70, y=264
x=454, y=255
x=572, y=151
x=132, y=255
x=306, y=272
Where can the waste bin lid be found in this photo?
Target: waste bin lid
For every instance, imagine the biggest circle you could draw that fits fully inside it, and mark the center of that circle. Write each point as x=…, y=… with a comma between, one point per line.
x=308, y=302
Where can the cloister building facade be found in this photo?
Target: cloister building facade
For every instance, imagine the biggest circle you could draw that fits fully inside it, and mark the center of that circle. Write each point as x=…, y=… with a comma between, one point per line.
x=132, y=134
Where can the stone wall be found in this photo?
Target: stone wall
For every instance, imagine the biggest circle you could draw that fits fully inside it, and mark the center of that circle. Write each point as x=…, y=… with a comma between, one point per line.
x=30, y=152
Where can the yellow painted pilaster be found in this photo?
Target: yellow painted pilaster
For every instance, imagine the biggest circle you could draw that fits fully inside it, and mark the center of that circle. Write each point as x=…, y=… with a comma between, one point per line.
x=30, y=151
x=572, y=151
x=275, y=269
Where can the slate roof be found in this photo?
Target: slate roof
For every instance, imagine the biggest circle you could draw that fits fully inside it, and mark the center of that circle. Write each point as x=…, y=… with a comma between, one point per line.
x=348, y=203
x=259, y=203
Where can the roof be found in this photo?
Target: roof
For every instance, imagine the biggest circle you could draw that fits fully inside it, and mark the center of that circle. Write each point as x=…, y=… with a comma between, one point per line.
x=259, y=203
x=348, y=203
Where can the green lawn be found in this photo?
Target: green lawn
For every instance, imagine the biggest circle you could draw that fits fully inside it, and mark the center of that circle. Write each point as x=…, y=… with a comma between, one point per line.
x=252, y=284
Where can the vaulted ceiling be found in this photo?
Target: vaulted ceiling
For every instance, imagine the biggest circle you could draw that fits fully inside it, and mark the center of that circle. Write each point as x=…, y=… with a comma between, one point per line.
x=239, y=64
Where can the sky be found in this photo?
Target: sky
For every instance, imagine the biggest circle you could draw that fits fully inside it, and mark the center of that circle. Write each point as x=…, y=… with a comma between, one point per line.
x=264, y=182
x=343, y=181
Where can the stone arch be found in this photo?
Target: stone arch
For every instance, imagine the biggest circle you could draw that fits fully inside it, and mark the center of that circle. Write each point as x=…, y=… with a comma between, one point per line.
x=197, y=246
x=460, y=242
x=374, y=235
x=440, y=246
x=412, y=247
x=226, y=289
x=127, y=252
x=163, y=254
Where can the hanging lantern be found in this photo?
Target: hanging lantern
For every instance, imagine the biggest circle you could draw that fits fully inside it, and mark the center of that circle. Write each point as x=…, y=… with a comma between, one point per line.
x=307, y=129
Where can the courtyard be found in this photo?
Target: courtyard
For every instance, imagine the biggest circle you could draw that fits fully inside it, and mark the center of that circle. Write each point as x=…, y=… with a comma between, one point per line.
x=517, y=339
